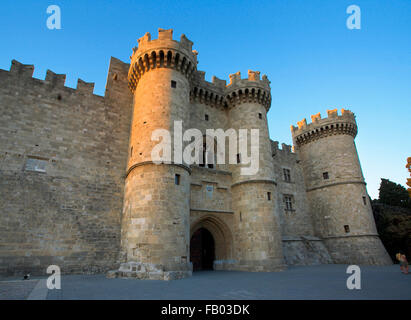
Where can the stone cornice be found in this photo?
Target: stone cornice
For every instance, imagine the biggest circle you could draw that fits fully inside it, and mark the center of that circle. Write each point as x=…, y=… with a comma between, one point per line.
x=254, y=181
x=250, y=94
x=351, y=236
x=204, y=95
x=144, y=163
x=159, y=58
x=211, y=210
x=335, y=184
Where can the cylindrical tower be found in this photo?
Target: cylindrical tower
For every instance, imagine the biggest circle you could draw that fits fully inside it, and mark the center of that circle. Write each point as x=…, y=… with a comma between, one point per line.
x=257, y=230
x=336, y=191
x=155, y=225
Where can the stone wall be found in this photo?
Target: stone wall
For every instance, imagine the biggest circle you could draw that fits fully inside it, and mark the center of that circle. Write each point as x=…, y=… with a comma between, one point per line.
x=257, y=235
x=155, y=226
x=360, y=250
x=305, y=250
x=297, y=221
x=217, y=118
x=300, y=247
x=210, y=190
x=63, y=156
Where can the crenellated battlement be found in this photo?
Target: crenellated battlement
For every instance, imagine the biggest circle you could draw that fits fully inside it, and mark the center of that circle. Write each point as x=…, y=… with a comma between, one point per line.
x=252, y=79
x=23, y=72
x=163, y=52
x=285, y=148
x=209, y=93
x=318, y=128
x=218, y=94
x=20, y=69
x=85, y=87
x=55, y=79
x=251, y=89
x=164, y=40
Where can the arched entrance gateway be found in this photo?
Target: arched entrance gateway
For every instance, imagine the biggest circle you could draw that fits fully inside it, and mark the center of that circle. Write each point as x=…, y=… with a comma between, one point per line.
x=210, y=244
x=202, y=250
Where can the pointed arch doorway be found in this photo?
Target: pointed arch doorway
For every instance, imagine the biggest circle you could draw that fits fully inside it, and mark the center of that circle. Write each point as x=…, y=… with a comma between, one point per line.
x=202, y=250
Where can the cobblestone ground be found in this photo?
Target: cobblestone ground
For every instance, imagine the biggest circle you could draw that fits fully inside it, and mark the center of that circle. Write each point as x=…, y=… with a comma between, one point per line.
x=16, y=289
x=304, y=282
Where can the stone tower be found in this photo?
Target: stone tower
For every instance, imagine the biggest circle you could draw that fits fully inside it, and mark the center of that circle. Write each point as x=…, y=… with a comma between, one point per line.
x=257, y=234
x=155, y=223
x=336, y=190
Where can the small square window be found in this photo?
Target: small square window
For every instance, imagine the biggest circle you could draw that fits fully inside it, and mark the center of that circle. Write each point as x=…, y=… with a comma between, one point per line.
x=173, y=84
x=325, y=175
x=260, y=116
x=269, y=196
x=35, y=164
x=347, y=228
x=206, y=117
x=177, y=179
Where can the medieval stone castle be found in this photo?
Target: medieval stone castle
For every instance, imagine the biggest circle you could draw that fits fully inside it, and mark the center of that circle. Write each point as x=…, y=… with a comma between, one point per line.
x=79, y=188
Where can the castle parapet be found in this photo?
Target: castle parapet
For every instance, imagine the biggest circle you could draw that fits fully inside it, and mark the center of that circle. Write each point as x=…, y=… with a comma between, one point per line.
x=54, y=79
x=251, y=89
x=208, y=93
x=285, y=148
x=163, y=52
x=318, y=128
x=218, y=93
x=219, y=82
x=25, y=70
x=85, y=87
x=253, y=80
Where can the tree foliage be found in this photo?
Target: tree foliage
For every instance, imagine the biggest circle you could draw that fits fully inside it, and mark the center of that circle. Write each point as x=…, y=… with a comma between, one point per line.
x=394, y=227
x=392, y=213
x=393, y=194
x=408, y=166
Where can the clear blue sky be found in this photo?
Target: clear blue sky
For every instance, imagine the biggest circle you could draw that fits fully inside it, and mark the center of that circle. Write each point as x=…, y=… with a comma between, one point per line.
x=313, y=61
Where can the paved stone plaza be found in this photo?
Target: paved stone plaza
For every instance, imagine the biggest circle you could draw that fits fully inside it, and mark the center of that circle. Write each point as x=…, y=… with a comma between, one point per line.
x=303, y=282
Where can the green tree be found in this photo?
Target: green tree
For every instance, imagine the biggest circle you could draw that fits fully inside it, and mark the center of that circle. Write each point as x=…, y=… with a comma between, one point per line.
x=408, y=166
x=394, y=227
x=393, y=194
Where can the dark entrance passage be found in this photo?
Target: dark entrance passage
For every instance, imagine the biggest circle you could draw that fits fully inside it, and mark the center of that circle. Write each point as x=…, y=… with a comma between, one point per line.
x=202, y=250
